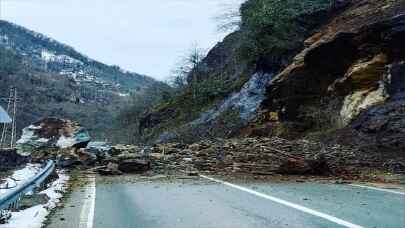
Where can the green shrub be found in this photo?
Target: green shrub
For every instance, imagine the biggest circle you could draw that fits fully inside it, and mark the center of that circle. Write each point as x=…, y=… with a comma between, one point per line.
x=9, y=62
x=272, y=28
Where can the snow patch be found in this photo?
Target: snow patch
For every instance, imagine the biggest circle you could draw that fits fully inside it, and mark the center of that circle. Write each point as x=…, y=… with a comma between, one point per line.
x=65, y=142
x=19, y=177
x=28, y=134
x=35, y=217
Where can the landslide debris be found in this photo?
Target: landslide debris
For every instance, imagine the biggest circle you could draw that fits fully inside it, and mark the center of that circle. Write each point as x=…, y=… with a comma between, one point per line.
x=245, y=156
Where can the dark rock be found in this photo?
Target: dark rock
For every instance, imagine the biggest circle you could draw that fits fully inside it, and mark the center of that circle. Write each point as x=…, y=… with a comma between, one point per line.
x=295, y=167
x=4, y=217
x=339, y=4
x=134, y=166
x=379, y=129
x=10, y=159
x=68, y=161
x=110, y=169
x=86, y=158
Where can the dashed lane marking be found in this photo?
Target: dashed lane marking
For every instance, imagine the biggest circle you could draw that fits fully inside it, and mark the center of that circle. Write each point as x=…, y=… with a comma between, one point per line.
x=87, y=212
x=286, y=203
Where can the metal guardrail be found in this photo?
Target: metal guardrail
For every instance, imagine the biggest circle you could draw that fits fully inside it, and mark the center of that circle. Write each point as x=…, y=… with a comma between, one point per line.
x=11, y=198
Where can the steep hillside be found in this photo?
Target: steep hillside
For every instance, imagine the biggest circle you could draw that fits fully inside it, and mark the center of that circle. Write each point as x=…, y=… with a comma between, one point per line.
x=51, y=56
x=230, y=81
x=327, y=70
x=54, y=80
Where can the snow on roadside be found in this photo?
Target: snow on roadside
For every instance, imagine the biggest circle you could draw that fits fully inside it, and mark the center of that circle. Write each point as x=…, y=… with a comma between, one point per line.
x=35, y=217
x=19, y=176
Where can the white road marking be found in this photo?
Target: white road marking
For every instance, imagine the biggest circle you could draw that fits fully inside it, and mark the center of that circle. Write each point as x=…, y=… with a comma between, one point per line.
x=87, y=213
x=378, y=189
x=288, y=204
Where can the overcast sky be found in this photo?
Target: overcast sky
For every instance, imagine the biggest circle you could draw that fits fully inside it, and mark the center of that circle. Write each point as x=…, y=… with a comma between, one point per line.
x=144, y=36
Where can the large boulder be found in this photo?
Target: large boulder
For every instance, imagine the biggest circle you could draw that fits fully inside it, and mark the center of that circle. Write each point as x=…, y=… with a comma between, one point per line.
x=52, y=133
x=134, y=166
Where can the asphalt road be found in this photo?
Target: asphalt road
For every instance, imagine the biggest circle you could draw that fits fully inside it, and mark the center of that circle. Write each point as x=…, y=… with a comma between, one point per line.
x=207, y=204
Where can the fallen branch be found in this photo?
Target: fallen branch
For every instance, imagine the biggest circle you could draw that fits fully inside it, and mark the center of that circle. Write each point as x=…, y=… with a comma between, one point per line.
x=285, y=153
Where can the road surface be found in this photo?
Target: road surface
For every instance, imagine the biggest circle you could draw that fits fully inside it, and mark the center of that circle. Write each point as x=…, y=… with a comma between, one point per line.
x=211, y=203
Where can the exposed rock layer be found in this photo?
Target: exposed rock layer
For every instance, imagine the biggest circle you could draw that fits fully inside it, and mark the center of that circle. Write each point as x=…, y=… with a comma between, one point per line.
x=354, y=63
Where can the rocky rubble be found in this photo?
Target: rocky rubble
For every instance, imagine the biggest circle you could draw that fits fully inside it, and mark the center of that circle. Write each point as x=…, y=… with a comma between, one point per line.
x=255, y=156
x=260, y=156
x=247, y=156
x=52, y=133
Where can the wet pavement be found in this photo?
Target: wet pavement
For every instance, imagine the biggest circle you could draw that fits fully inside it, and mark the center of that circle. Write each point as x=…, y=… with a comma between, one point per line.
x=206, y=204
x=137, y=202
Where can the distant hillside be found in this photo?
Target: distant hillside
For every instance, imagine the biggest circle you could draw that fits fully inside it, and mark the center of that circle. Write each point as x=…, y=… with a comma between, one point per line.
x=55, y=80
x=49, y=55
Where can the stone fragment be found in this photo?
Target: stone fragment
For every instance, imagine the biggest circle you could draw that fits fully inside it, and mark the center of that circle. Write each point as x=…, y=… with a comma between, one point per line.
x=110, y=169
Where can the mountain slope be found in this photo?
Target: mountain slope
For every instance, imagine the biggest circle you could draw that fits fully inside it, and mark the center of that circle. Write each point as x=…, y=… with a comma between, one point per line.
x=55, y=80
x=308, y=69
x=52, y=56
x=231, y=79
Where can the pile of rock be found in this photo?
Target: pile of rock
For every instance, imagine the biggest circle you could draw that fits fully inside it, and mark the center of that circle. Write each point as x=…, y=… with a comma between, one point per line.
x=261, y=156
x=124, y=159
x=257, y=156
x=52, y=133
x=65, y=142
x=57, y=139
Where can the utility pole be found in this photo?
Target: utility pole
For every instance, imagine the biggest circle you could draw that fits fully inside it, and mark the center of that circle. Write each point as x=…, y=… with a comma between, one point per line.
x=5, y=125
x=14, y=123
x=11, y=107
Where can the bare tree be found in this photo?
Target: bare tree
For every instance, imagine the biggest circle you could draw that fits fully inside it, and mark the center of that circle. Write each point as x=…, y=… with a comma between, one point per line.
x=178, y=78
x=186, y=73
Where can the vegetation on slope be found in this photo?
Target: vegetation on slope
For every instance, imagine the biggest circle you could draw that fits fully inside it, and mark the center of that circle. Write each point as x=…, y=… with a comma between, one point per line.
x=274, y=30
x=44, y=94
x=271, y=32
x=31, y=44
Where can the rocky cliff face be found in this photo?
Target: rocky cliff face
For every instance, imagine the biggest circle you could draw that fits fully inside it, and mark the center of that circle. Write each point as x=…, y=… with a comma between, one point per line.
x=231, y=81
x=350, y=75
